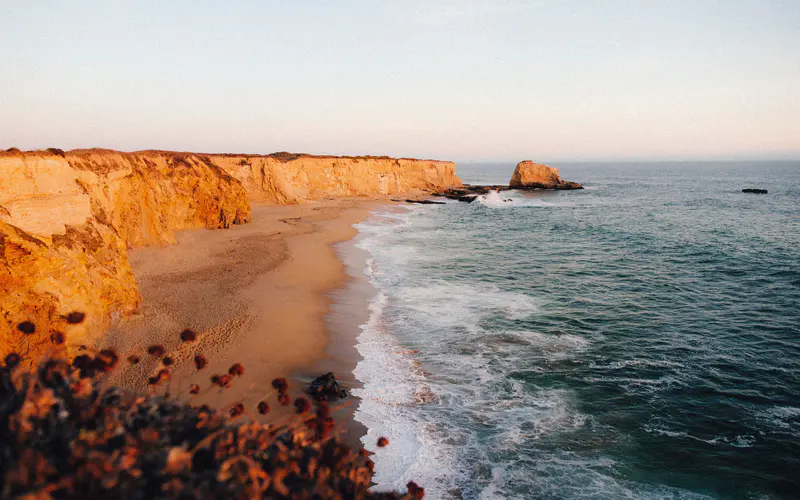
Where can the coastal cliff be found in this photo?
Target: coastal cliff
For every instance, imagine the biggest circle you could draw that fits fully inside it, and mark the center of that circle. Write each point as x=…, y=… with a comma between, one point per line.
x=285, y=178
x=68, y=218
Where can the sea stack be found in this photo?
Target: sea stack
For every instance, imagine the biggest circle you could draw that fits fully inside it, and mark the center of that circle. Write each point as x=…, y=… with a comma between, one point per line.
x=530, y=175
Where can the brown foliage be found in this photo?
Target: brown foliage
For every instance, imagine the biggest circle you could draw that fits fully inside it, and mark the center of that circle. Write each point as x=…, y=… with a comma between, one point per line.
x=64, y=436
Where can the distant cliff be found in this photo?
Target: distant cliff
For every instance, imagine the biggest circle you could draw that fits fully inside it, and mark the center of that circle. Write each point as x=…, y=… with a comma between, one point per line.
x=67, y=219
x=288, y=178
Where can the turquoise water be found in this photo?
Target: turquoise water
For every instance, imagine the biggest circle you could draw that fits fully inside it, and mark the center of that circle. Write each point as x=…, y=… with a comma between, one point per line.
x=637, y=339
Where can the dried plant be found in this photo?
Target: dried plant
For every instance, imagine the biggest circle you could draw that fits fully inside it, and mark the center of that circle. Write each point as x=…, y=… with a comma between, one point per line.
x=65, y=433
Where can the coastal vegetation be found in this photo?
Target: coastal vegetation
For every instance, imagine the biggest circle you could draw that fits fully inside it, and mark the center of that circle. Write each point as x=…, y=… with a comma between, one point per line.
x=66, y=432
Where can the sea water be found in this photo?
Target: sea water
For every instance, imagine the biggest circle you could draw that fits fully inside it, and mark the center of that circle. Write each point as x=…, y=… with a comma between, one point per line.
x=636, y=339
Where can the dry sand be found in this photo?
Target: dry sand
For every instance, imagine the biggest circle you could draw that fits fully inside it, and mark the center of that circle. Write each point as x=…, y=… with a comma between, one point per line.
x=257, y=294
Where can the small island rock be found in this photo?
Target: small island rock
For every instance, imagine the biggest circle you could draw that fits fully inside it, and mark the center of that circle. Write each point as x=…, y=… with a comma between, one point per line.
x=530, y=175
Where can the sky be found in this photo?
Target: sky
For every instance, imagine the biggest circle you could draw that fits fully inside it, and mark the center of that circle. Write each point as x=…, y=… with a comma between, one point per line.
x=459, y=80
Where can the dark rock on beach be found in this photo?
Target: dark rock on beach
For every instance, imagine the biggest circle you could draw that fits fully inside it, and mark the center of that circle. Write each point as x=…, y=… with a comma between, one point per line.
x=326, y=388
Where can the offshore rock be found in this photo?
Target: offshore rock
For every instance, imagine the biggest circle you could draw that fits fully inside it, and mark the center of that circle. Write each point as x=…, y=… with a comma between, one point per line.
x=424, y=202
x=527, y=175
x=530, y=175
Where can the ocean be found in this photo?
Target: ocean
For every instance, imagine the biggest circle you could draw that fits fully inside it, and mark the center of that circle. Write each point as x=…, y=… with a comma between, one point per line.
x=636, y=339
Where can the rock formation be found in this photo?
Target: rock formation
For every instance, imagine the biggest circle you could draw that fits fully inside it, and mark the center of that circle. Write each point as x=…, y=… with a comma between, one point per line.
x=326, y=388
x=287, y=178
x=67, y=220
x=529, y=175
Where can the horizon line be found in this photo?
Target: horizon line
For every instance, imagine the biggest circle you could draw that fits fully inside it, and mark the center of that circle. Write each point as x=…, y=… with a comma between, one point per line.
x=791, y=157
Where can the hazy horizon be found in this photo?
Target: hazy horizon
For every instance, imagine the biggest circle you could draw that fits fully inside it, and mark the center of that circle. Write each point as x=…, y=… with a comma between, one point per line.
x=464, y=161
x=468, y=81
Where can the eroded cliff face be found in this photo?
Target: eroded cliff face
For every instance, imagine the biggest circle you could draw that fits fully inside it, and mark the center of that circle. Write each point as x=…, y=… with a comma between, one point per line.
x=43, y=279
x=67, y=220
x=285, y=178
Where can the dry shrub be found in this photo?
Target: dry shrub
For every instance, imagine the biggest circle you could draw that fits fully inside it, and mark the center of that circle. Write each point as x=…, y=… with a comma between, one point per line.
x=65, y=433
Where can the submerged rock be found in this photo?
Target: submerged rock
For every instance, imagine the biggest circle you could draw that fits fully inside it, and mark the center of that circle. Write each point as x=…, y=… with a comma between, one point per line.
x=426, y=202
x=468, y=193
x=326, y=388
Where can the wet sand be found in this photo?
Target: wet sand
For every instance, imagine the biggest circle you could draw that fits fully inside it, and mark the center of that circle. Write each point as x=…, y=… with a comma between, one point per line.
x=259, y=294
x=349, y=310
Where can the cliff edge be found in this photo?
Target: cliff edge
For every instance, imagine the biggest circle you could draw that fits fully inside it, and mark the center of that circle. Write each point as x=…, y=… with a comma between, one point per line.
x=68, y=218
x=285, y=178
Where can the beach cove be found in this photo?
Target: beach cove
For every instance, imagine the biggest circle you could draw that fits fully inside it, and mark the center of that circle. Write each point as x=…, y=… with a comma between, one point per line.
x=258, y=294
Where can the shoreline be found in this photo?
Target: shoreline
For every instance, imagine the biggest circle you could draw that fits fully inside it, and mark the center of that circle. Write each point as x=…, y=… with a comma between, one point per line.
x=348, y=311
x=277, y=295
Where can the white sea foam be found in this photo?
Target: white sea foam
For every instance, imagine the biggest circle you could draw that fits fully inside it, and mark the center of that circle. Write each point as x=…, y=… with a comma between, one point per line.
x=639, y=363
x=740, y=441
x=389, y=390
x=453, y=431
x=781, y=418
x=450, y=302
x=393, y=383
x=556, y=344
x=493, y=199
x=517, y=199
x=533, y=416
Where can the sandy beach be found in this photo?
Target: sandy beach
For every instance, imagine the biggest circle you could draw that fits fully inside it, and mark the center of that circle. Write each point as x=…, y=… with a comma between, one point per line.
x=257, y=294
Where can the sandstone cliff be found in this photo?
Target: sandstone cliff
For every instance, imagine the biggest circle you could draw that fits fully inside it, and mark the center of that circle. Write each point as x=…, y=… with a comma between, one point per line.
x=283, y=178
x=530, y=175
x=67, y=219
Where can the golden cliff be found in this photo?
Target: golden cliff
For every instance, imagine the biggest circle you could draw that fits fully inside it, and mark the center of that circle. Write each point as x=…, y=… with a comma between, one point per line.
x=67, y=220
x=284, y=178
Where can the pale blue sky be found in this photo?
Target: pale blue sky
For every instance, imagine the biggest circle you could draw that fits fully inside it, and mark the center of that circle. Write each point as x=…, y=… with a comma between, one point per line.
x=462, y=80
